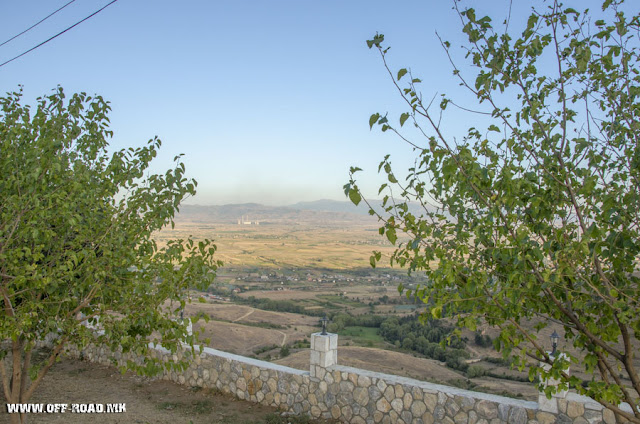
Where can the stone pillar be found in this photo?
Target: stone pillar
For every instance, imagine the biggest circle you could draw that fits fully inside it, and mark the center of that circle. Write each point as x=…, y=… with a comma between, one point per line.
x=551, y=405
x=324, y=353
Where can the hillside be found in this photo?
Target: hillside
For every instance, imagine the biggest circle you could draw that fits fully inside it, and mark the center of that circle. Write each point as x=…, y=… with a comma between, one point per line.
x=316, y=212
x=230, y=214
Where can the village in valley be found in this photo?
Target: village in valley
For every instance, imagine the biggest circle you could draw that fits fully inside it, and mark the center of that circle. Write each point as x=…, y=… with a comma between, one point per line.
x=283, y=272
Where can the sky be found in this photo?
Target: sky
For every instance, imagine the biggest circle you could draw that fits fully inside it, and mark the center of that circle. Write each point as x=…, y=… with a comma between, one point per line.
x=269, y=101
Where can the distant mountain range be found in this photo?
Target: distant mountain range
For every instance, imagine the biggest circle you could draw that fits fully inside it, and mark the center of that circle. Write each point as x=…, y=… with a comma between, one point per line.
x=251, y=212
x=316, y=211
x=332, y=206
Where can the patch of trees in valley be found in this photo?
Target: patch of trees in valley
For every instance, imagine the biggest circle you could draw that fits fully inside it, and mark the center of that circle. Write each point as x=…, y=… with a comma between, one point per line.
x=409, y=333
x=276, y=305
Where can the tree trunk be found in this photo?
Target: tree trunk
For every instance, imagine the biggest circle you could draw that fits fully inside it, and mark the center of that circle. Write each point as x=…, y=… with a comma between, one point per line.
x=18, y=418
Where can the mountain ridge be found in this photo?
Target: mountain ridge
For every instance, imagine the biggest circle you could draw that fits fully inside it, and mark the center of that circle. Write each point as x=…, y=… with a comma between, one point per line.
x=252, y=212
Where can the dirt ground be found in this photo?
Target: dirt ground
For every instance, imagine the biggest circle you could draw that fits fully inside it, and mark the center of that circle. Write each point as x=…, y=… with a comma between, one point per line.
x=406, y=365
x=379, y=360
x=242, y=339
x=247, y=314
x=148, y=401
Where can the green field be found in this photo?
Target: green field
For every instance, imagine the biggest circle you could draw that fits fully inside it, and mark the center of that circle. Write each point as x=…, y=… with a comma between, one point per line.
x=405, y=308
x=363, y=336
x=334, y=298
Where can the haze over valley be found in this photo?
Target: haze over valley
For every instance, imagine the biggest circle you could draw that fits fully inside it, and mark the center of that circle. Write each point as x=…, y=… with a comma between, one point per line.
x=287, y=266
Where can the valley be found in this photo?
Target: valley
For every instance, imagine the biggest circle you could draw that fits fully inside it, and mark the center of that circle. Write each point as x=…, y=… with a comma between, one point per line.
x=284, y=269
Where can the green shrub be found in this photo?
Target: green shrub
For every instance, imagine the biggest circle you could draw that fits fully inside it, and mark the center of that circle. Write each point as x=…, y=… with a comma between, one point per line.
x=475, y=371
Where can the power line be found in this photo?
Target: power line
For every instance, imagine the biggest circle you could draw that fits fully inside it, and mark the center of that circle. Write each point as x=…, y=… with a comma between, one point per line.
x=58, y=34
x=36, y=24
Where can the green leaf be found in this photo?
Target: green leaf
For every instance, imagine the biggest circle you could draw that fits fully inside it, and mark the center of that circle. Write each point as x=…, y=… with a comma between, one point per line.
x=402, y=72
x=354, y=196
x=376, y=41
x=373, y=119
x=391, y=235
x=436, y=312
x=403, y=118
x=470, y=14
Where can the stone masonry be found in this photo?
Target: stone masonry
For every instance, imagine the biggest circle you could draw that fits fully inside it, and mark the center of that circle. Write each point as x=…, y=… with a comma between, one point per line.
x=358, y=396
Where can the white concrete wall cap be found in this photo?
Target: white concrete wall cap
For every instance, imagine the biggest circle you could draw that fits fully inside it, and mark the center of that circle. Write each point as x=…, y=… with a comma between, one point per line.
x=394, y=379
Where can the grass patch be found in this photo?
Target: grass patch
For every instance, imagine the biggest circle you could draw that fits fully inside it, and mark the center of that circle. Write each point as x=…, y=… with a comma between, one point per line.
x=404, y=308
x=341, y=300
x=197, y=407
x=291, y=419
x=504, y=376
x=264, y=349
x=324, y=304
x=363, y=336
x=169, y=406
x=261, y=324
x=78, y=371
x=202, y=406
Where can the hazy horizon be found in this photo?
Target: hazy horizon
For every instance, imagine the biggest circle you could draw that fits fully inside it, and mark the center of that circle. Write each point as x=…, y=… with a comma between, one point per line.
x=266, y=204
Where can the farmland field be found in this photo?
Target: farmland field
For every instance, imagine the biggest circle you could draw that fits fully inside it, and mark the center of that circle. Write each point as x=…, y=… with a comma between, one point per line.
x=287, y=246
x=362, y=336
x=281, y=276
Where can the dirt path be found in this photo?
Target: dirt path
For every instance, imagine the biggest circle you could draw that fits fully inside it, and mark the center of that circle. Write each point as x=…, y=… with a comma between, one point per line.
x=284, y=337
x=474, y=351
x=252, y=310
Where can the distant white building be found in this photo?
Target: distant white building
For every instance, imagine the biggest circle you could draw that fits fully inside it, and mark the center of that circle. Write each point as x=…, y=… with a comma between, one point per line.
x=246, y=221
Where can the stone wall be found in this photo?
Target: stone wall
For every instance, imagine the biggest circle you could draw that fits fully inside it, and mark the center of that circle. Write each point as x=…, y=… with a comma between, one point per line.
x=358, y=396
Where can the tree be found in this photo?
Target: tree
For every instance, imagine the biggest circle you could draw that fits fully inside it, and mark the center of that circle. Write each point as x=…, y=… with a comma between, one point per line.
x=76, y=246
x=284, y=351
x=531, y=219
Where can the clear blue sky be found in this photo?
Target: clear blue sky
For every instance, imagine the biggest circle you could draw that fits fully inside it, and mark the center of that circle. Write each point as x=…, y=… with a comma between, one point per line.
x=268, y=100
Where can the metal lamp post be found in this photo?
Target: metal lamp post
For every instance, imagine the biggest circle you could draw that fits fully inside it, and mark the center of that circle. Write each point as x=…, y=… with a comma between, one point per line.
x=324, y=321
x=554, y=342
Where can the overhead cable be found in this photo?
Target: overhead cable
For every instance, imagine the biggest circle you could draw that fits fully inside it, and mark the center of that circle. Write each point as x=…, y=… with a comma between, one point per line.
x=36, y=24
x=58, y=34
